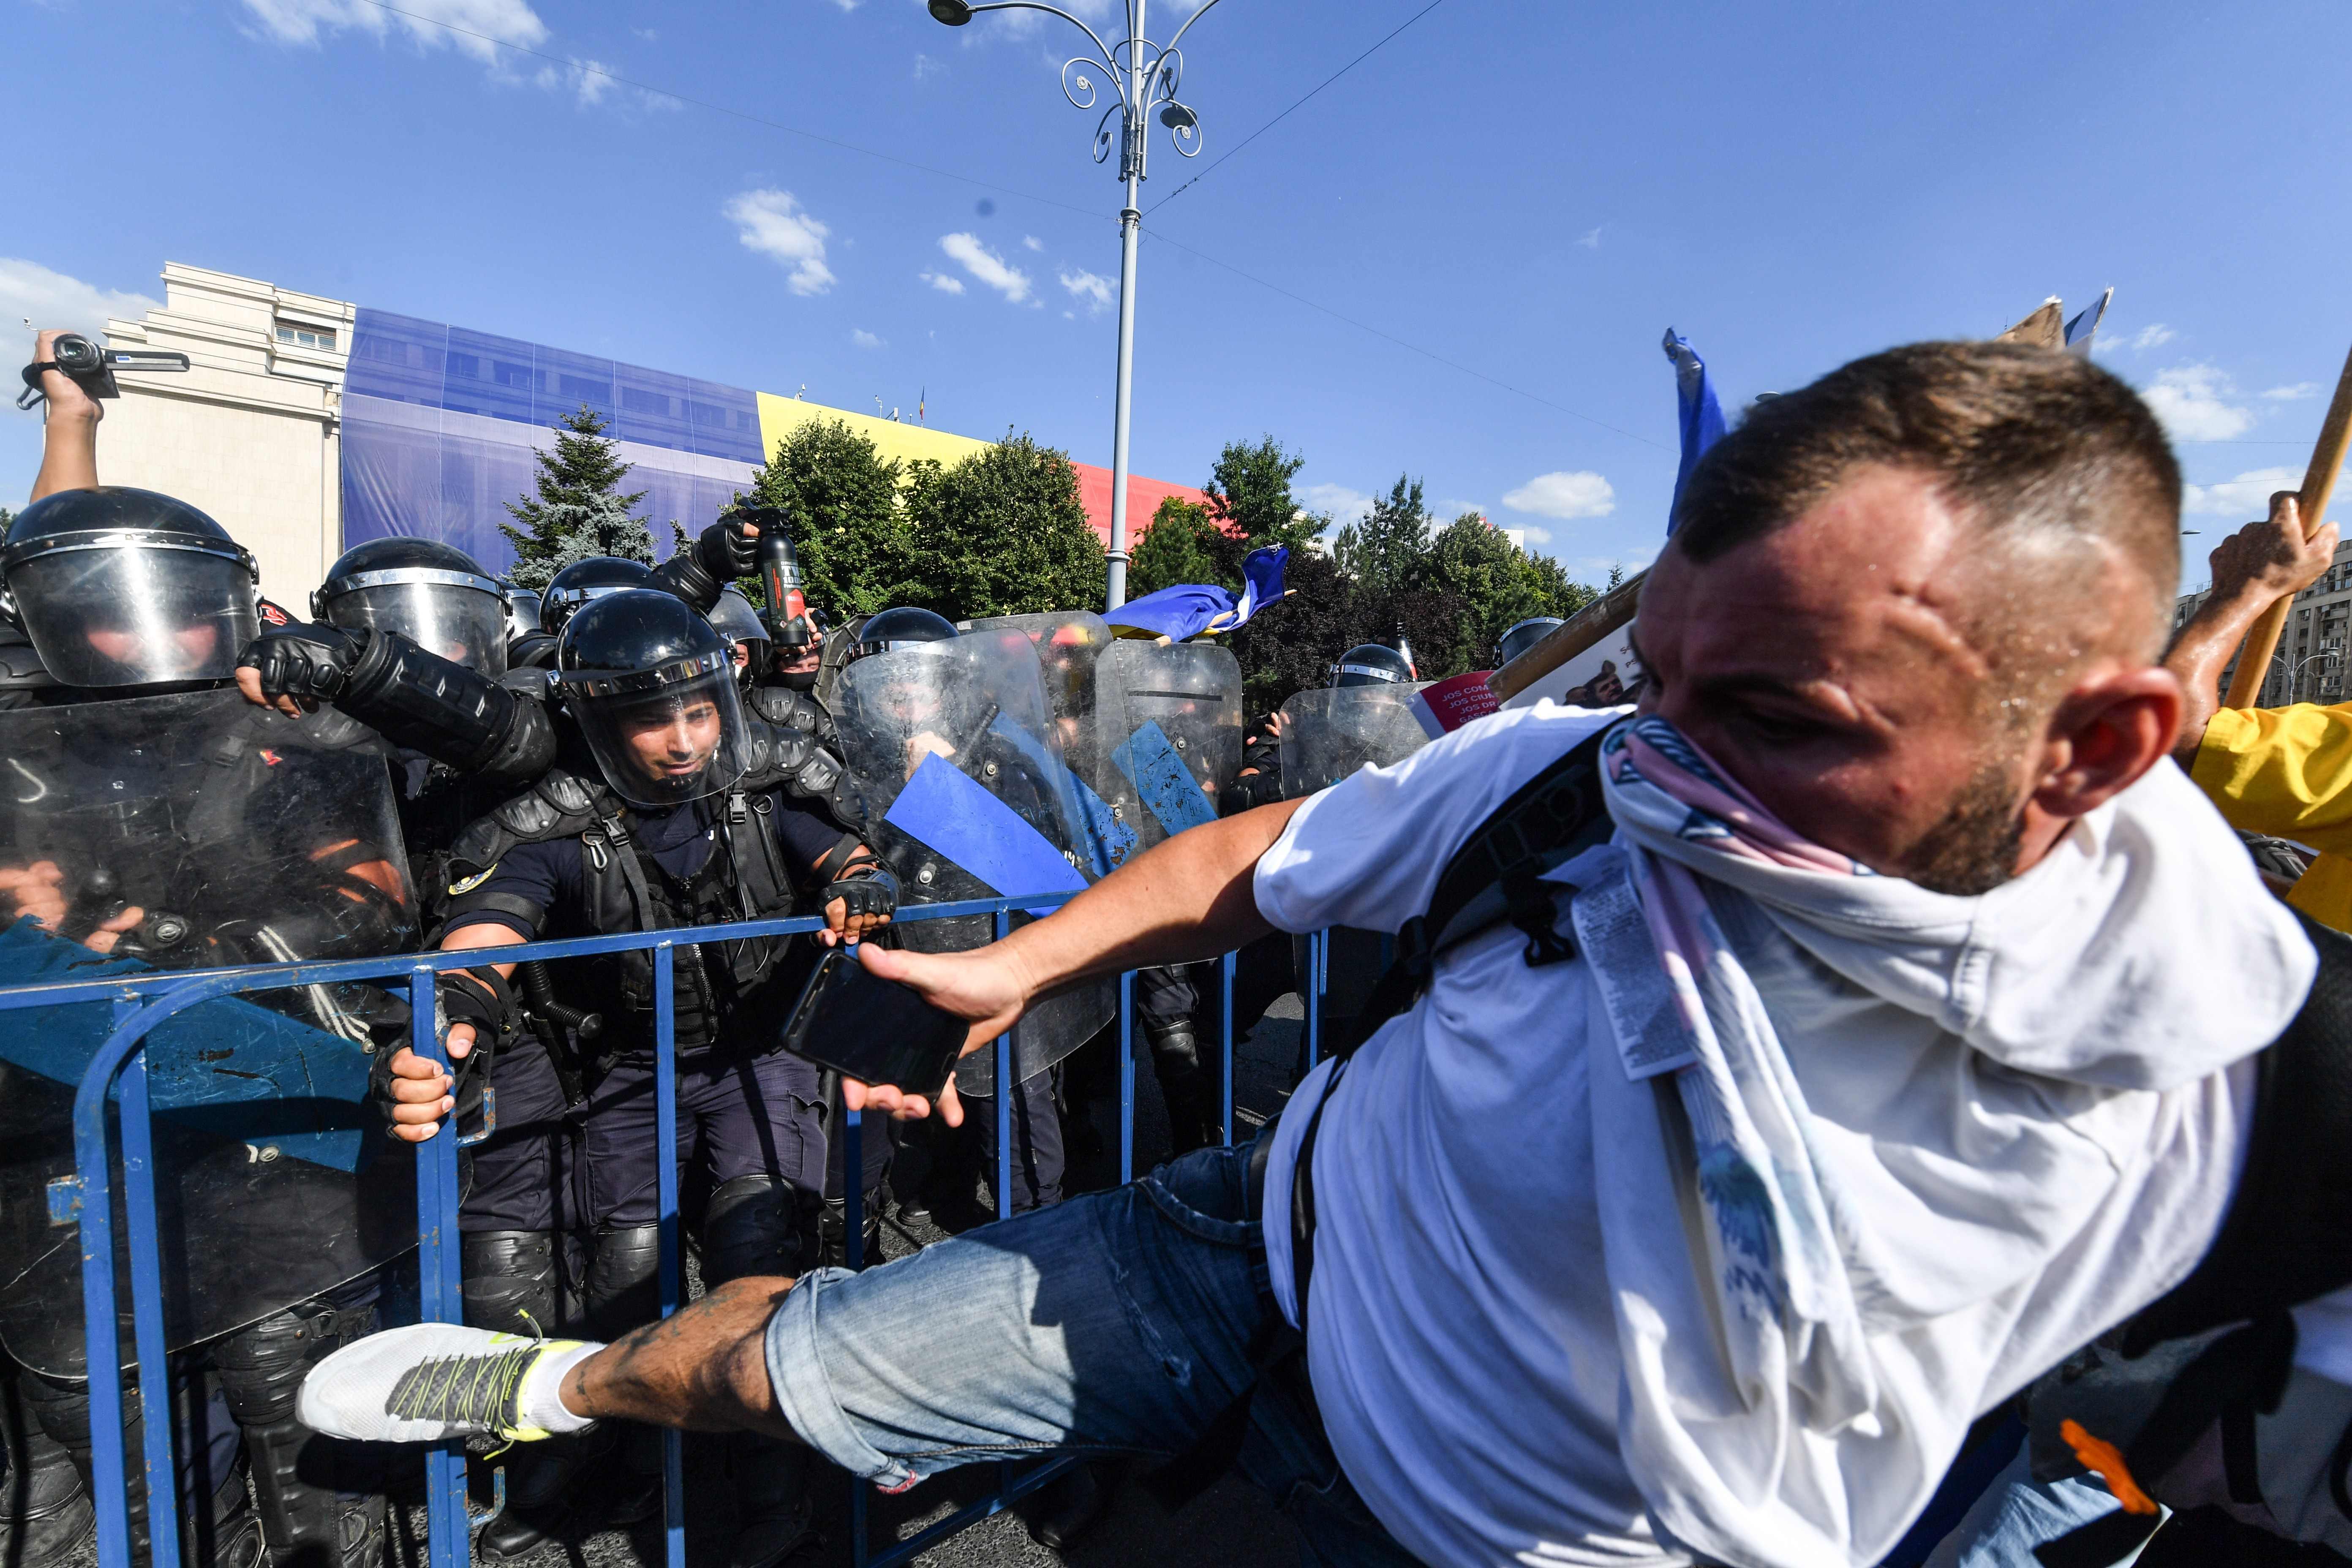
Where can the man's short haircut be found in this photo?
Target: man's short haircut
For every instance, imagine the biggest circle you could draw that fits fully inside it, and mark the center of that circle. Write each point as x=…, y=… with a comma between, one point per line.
x=2042, y=446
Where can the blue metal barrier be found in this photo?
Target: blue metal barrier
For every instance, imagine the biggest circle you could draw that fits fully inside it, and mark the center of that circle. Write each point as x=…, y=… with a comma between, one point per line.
x=142, y=1000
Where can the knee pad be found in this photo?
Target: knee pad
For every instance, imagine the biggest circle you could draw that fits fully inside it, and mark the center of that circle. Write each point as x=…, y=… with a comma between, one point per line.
x=1175, y=1050
x=753, y=1225
x=261, y=1365
x=622, y=1278
x=510, y=1282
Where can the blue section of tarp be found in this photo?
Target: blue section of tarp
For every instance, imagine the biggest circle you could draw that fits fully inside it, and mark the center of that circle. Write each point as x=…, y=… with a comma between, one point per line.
x=1154, y=767
x=225, y=1066
x=1698, y=414
x=440, y=423
x=956, y=818
x=1108, y=841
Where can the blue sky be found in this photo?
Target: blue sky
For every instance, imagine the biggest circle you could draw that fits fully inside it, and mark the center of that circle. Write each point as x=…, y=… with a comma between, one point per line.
x=1531, y=191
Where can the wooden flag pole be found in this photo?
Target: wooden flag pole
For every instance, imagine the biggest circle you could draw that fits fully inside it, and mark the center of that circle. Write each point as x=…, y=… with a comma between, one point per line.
x=2262, y=637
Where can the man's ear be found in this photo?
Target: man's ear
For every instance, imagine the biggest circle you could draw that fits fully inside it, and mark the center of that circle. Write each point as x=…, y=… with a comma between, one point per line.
x=2108, y=731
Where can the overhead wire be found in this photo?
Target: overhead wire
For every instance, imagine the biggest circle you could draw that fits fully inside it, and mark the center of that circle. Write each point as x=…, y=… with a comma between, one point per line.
x=1287, y=113
x=835, y=142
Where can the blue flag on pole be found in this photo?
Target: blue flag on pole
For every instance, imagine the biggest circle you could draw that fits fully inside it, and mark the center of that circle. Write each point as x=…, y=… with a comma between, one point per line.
x=1701, y=414
x=1190, y=609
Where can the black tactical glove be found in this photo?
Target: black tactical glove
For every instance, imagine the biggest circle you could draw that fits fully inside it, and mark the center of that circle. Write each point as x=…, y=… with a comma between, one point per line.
x=301, y=660
x=717, y=557
x=868, y=887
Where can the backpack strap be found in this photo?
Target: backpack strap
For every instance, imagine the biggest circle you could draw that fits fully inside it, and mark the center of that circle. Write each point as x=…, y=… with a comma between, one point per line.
x=1497, y=875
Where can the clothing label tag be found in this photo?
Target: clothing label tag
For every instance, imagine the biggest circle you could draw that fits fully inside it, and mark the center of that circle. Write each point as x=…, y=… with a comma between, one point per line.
x=1651, y=1038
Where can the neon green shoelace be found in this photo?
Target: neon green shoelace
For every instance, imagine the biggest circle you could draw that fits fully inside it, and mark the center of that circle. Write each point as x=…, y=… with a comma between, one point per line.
x=464, y=1391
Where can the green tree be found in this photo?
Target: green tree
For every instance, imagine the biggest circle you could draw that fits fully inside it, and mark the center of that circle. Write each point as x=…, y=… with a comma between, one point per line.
x=841, y=501
x=1183, y=544
x=1002, y=533
x=1250, y=489
x=1386, y=552
x=1500, y=585
x=579, y=511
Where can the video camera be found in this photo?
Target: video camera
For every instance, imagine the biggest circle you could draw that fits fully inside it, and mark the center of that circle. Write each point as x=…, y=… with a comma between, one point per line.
x=93, y=367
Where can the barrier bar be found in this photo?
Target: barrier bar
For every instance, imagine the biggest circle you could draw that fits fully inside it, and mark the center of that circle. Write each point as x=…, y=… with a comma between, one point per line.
x=673, y=1266
x=147, y=1318
x=440, y=1280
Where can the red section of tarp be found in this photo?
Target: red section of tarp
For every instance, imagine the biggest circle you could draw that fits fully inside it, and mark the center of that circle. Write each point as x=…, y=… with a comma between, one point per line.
x=1143, y=499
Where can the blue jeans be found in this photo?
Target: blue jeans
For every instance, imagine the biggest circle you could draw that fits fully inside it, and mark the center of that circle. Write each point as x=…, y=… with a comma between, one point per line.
x=1119, y=1322
x=2018, y=1513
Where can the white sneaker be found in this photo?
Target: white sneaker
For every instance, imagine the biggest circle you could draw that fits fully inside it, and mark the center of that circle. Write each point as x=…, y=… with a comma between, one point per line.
x=426, y=1382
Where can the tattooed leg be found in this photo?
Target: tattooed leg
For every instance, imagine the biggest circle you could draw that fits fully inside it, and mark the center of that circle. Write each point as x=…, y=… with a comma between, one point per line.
x=703, y=1369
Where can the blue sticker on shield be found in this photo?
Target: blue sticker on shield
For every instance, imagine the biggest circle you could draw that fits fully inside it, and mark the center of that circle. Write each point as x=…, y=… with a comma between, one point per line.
x=1107, y=843
x=225, y=1067
x=1154, y=767
x=955, y=818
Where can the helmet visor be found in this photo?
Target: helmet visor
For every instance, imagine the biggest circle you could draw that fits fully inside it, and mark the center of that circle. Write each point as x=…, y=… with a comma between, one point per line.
x=464, y=625
x=665, y=736
x=135, y=614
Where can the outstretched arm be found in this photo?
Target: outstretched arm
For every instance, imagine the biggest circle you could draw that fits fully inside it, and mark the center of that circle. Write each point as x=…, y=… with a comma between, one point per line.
x=2253, y=569
x=1191, y=897
x=68, y=428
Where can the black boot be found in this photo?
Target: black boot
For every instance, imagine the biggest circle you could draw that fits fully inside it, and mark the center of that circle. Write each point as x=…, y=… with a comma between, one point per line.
x=512, y=1288
x=834, y=1231
x=45, y=1509
x=1187, y=1085
x=217, y=1527
x=774, y=1516
x=540, y=1484
x=320, y=1502
x=1069, y=1506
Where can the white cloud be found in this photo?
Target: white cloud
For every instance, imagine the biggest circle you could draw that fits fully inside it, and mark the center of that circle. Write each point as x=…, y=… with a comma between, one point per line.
x=2245, y=498
x=2301, y=389
x=591, y=81
x=2154, y=335
x=945, y=282
x=2191, y=399
x=1343, y=504
x=775, y=224
x=846, y=6
x=866, y=340
x=1532, y=535
x=53, y=300
x=1031, y=242
x=1095, y=292
x=1590, y=239
x=485, y=24
x=1564, y=496
x=986, y=266
x=926, y=68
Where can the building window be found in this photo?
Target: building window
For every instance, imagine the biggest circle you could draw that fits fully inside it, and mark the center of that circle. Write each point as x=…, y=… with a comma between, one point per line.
x=307, y=337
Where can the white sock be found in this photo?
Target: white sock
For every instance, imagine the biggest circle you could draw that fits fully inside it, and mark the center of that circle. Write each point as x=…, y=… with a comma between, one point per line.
x=541, y=1399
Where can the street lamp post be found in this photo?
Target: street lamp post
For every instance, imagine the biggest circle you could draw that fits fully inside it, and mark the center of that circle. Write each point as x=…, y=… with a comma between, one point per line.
x=1141, y=75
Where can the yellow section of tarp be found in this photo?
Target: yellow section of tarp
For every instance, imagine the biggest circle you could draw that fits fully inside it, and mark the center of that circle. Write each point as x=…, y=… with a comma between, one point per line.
x=779, y=417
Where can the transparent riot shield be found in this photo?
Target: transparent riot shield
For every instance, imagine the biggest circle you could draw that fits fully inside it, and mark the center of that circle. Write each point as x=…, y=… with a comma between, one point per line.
x=1330, y=732
x=1184, y=741
x=959, y=759
x=1084, y=696
x=188, y=831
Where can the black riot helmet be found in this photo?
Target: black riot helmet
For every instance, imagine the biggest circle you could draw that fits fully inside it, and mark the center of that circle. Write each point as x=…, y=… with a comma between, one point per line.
x=1370, y=664
x=433, y=593
x=117, y=587
x=585, y=580
x=523, y=611
x=740, y=623
x=652, y=685
x=899, y=628
x=1523, y=636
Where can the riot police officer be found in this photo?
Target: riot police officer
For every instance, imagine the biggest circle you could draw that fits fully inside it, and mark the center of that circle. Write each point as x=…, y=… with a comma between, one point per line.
x=124, y=593
x=1524, y=634
x=684, y=814
x=739, y=622
x=1373, y=664
x=787, y=693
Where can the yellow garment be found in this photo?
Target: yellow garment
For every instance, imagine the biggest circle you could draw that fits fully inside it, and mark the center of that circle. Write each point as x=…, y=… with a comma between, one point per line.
x=2287, y=772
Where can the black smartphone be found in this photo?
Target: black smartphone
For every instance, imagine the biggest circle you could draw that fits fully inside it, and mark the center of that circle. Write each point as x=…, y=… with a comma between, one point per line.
x=872, y=1029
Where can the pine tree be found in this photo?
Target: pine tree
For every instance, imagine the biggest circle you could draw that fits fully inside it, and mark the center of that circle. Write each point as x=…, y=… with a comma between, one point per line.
x=579, y=512
x=1385, y=551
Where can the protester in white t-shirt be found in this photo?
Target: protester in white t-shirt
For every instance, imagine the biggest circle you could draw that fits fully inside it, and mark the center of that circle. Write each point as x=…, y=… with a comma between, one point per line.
x=1877, y=1068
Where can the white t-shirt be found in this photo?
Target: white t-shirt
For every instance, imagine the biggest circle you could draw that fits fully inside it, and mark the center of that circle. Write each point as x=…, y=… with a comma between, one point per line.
x=1463, y=1342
